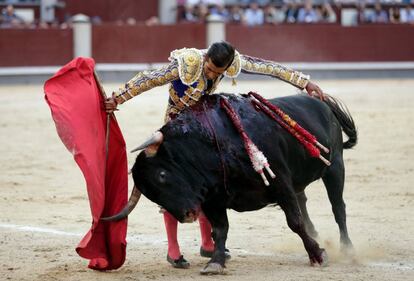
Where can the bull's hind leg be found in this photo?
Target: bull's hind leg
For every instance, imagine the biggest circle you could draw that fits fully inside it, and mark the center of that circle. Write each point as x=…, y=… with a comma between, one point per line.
x=334, y=182
x=288, y=202
x=310, y=228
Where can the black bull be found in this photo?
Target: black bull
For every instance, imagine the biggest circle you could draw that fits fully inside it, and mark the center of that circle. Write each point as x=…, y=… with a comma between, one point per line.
x=199, y=160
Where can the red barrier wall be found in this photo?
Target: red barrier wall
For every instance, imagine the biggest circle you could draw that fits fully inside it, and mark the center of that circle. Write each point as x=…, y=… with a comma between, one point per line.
x=144, y=44
x=325, y=43
x=110, y=10
x=31, y=47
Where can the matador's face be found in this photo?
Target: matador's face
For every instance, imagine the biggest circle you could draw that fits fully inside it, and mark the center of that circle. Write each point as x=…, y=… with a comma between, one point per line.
x=210, y=70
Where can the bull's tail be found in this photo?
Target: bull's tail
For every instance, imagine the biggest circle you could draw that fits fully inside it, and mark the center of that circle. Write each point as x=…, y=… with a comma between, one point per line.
x=344, y=117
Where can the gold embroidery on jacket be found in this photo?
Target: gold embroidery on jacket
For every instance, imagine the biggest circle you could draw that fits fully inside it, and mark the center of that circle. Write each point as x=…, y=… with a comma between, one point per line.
x=171, y=110
x=146, y=80
x=260, y=66
x=191, y=94
x=234, y=69
x=190, y=64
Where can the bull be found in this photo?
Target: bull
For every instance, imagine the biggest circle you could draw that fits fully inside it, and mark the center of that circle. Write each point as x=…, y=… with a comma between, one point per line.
x=197, y=161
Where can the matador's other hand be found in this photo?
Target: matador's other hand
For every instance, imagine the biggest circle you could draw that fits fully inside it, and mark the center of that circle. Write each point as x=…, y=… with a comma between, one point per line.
x=314, y=91
x=110, y=104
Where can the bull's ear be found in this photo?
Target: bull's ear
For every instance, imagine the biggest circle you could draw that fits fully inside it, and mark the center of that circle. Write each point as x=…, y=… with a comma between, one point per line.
x=152, y=144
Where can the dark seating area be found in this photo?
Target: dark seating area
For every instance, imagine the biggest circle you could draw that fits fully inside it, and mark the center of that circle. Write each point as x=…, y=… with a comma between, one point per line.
x=27, y=13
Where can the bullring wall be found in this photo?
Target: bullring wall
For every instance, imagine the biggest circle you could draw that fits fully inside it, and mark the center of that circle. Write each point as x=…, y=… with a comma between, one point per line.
x=113, y=43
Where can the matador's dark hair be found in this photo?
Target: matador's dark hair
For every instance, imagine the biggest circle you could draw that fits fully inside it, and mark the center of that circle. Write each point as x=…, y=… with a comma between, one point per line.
x=221, y=54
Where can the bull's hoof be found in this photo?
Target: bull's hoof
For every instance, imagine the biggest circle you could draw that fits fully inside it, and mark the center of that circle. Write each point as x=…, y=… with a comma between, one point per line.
x=212, y=269
x=209, y=254
x=322, y=260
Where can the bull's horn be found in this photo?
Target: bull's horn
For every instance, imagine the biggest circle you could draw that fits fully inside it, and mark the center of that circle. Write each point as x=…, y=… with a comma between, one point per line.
x=156, y=139
x=132, y=202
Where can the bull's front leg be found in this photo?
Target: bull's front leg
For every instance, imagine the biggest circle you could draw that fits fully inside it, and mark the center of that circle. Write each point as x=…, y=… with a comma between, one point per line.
x=220, y=225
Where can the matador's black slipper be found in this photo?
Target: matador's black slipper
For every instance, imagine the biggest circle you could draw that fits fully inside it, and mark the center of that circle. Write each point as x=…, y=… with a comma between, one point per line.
x=181, y=262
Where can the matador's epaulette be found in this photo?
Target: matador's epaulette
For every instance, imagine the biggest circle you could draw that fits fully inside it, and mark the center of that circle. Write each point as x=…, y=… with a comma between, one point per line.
x=234, y=69
x=190, y=64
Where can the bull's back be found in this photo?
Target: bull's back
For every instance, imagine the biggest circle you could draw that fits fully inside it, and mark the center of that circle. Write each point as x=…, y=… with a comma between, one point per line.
x=310, y=113
x=286, y=155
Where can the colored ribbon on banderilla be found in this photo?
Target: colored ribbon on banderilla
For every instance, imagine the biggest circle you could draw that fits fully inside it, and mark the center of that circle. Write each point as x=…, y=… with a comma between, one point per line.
x=257, y=157
x=308, y=140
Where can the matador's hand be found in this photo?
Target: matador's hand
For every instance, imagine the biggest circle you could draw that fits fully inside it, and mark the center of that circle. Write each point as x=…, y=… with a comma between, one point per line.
x=110, y=104
x=314, y=91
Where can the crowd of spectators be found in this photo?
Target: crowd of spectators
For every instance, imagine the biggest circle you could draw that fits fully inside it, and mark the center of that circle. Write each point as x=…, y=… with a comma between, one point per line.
x=20, y=2
x=379, y=14
x=259, y=12
x=10, y=19
x=251, y=12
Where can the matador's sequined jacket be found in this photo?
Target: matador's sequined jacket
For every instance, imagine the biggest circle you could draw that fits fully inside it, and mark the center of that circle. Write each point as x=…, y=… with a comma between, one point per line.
x=187, y=81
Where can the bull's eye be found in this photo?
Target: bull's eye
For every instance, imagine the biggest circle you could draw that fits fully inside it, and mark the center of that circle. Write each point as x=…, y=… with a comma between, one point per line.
x=162, y=176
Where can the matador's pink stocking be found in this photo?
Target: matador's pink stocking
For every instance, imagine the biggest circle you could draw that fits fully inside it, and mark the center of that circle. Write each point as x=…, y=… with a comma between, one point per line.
x=205, y=230
x=171, y=228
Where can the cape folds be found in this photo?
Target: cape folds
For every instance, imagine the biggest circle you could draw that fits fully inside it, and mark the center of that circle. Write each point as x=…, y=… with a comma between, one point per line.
x=77, y=109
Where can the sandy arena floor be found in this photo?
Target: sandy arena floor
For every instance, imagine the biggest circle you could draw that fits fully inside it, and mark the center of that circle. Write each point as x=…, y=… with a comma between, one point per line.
x=44, y=210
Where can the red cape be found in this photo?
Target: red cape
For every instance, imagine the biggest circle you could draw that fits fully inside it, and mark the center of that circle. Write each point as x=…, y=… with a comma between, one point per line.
x=77, y=109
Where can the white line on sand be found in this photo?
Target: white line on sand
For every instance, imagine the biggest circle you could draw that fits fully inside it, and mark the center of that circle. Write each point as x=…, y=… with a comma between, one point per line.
x=142, y=238
x=27, y=228
x=158, y=239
